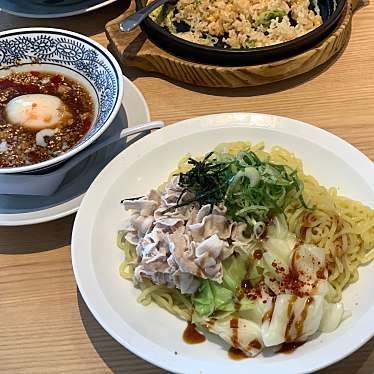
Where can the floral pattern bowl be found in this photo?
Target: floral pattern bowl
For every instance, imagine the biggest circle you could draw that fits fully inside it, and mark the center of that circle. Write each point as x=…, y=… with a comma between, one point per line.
x=73, y=55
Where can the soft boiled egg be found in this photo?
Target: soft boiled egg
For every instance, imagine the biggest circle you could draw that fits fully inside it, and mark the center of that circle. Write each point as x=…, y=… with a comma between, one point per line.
x=38, y=111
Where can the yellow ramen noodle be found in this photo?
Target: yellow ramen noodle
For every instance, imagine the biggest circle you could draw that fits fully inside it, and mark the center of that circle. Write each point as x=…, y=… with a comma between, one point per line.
x=344, y=228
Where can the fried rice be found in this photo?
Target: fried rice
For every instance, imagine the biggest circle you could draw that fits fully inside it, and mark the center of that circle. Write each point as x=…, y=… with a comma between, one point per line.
x=239, y=23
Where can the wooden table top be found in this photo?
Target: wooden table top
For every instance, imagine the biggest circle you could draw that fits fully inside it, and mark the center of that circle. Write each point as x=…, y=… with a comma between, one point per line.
x=45, y=327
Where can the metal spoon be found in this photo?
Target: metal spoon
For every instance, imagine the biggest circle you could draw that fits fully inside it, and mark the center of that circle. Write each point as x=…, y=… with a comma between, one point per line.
x=135, y=19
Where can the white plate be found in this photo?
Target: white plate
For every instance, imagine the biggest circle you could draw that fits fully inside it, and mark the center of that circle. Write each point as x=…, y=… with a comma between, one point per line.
x=25, y=8
x=152, y=333
x=27, y=210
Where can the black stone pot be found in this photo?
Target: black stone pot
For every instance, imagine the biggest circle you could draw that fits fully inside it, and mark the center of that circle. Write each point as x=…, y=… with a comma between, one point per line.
x=244, y=57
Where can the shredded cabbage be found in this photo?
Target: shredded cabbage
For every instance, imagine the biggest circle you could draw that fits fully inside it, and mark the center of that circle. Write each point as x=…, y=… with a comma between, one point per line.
x=215, y=298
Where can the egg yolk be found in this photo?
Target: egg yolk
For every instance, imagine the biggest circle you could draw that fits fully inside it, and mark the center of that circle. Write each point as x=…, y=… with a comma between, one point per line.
x=38, y=111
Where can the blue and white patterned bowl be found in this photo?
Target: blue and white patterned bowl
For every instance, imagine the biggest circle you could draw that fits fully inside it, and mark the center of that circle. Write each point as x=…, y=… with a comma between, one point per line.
x=71, y=54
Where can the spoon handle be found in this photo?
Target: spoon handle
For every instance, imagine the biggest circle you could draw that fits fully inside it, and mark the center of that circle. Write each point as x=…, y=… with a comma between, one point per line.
x=135, y=19
x=153, y=125
x=148, y=126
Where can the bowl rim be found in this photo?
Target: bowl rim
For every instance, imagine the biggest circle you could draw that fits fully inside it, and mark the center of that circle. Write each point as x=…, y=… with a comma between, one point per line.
x=149, y=23
x=117, y=70
x=81, y=243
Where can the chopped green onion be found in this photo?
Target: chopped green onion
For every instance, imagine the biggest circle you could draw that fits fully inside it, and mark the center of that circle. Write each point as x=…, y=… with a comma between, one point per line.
x=251, y=189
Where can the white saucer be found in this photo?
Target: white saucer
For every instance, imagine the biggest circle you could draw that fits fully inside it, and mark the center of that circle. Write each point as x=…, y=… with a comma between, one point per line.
x=28, y=210
x=25, y=8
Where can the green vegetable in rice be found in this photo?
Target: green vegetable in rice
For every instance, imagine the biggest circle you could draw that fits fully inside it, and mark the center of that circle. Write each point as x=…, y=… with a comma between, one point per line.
x=250, y=43
x=265, y=18
x=211, y=40
x=164, y=15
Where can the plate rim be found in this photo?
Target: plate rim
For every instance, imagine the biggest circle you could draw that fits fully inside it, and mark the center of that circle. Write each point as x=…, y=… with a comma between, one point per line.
x=71, y=206
x=96, y=301
x=59, y=14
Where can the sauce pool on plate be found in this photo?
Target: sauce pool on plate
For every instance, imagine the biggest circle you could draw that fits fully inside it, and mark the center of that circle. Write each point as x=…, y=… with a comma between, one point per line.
x=192, y=336
x=290, y=347
x=236, y=354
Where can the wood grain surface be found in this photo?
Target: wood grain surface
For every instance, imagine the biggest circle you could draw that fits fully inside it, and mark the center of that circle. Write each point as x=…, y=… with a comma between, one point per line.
x=45, y=327
x=136, y=50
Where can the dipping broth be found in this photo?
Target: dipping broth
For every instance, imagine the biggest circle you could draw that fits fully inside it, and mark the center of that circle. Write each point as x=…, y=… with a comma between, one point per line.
x=42, y=115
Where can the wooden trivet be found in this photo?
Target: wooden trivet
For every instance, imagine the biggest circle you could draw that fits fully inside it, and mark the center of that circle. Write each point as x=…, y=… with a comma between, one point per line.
x=134, y=49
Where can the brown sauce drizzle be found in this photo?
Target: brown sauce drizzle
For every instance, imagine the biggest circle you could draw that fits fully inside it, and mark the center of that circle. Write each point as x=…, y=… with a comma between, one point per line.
x=321, y=273
x=292, y=281
x=234, y=324
x=257, y=254
x=290, y=347
x=237, y=305
x=250, y=291
x=246, y=284
x=236, y=354
x=255, y=344
x=269, y=314
x=299, y=325
x=295, y=257
x=192, y=336
x=291, y=317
